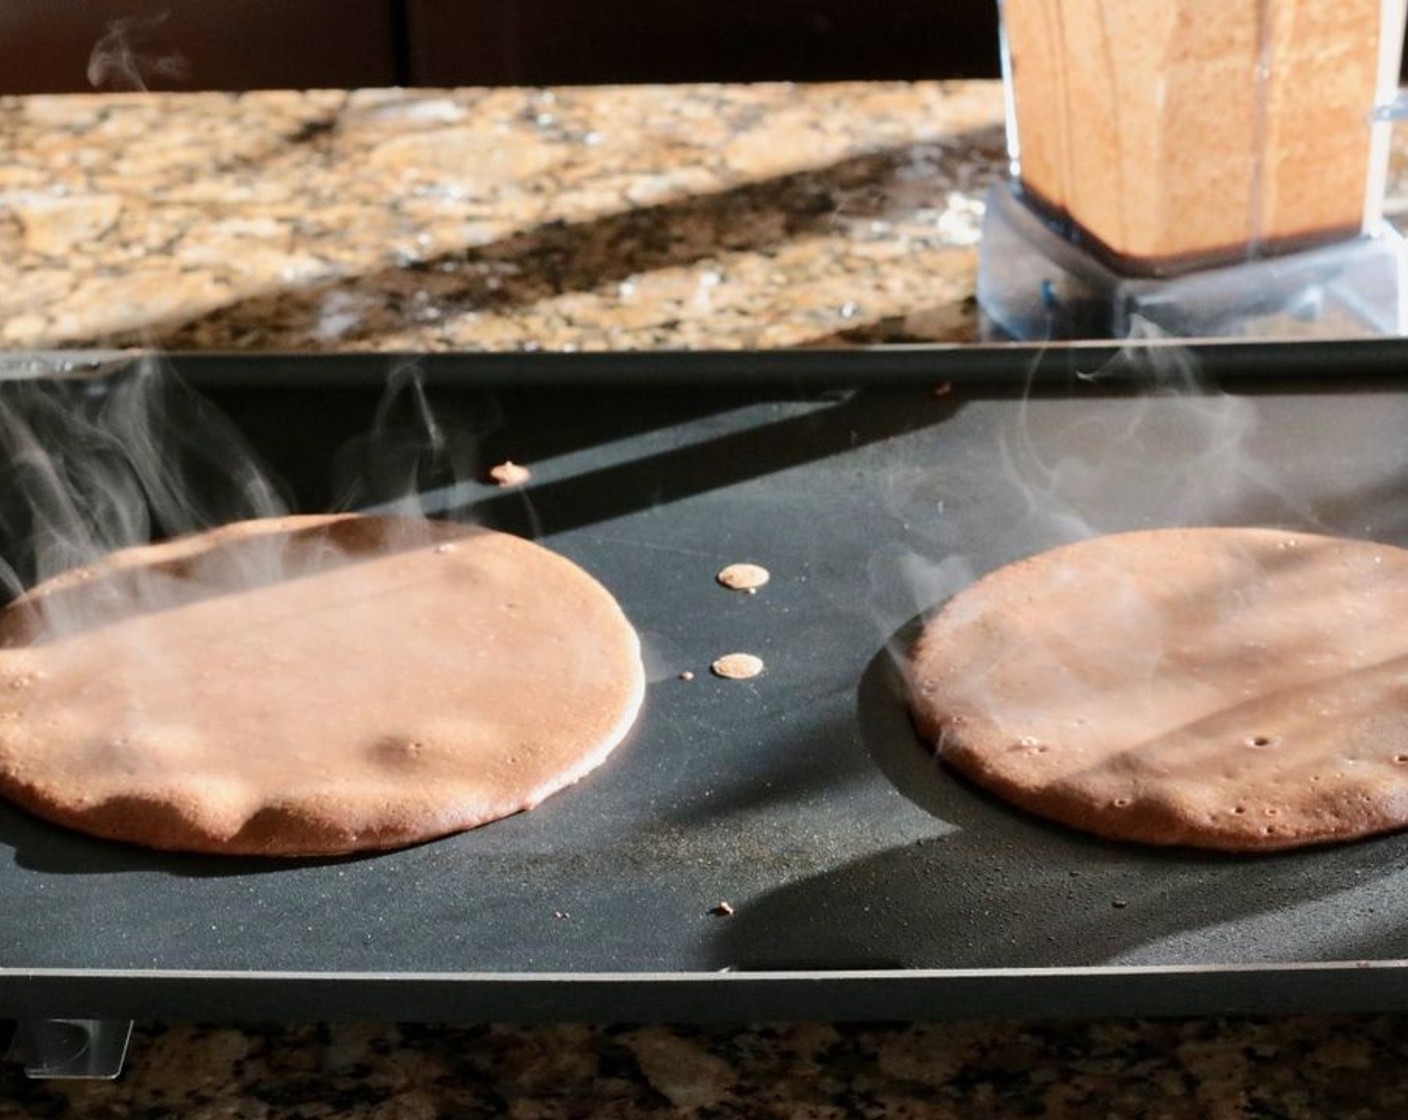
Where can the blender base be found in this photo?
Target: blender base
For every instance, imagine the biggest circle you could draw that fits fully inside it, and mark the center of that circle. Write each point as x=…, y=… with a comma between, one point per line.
x=1034, y=284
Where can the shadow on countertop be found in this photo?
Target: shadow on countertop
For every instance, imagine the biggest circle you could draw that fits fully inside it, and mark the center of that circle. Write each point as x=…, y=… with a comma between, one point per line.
x=560, y=257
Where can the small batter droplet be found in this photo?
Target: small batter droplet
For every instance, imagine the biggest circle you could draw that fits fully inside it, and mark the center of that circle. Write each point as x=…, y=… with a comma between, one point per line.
x=744, y=577
x=737, y=666
x=509, y=473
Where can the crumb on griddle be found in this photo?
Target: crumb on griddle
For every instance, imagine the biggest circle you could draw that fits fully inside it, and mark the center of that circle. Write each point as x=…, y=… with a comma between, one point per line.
x=687, y=675
x=723, y=910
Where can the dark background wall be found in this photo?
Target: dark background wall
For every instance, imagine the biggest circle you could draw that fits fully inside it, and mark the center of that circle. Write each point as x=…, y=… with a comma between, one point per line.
x=568, y=41
x=49, y=45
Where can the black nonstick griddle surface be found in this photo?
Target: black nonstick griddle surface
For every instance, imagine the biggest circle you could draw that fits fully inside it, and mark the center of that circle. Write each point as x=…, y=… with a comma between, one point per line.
x=865, y=880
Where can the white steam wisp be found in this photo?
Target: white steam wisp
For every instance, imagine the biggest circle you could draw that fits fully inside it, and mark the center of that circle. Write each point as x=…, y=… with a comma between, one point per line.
x=118, y=61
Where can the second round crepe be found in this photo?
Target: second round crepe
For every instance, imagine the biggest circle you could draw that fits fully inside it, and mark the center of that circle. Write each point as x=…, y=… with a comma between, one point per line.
x=1240, y=689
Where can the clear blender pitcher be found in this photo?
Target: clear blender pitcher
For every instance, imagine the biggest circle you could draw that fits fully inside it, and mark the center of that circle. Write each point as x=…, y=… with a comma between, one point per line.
x=1210, y=167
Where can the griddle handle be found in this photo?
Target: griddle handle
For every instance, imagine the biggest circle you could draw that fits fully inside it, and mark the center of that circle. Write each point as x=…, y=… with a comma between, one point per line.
x=81, y=1049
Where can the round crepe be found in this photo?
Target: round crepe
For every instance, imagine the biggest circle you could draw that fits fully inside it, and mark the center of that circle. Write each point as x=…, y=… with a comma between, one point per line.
x=310, y=686
x=1239, y=689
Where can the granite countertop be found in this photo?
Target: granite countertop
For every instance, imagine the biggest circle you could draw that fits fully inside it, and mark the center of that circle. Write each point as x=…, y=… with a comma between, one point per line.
x=718, y=216
x=636, y=218
x=1345, y=1068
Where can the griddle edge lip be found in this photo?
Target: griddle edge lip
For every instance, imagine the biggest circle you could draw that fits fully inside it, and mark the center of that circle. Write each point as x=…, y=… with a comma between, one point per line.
x=1022, y=364
x=870, y=995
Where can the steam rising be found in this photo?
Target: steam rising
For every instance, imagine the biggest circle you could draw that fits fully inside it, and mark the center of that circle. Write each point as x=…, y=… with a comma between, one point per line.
x=1175, y=453
x=1155, y=444
x=93, y=466
x=118, y=62
x=411, y=463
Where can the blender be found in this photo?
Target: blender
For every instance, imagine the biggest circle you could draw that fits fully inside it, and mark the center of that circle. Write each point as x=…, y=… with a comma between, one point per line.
x=1196, y=169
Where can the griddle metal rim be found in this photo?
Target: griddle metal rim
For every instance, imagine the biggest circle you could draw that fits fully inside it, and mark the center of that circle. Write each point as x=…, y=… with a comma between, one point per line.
x=862, y=366
x=711, y=997
x=728, y=976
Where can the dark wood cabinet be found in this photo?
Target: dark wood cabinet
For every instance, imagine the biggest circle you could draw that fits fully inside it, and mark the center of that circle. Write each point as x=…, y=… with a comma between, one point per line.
x=539, y=42
x=56, y=45
x=75, y=45
x=71, y=45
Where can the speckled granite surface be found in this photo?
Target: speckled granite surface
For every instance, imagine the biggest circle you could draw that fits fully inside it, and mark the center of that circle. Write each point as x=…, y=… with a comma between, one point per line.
x=707, y=216
x=625, y=218
x=1297, y=1069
